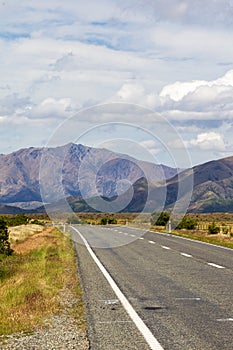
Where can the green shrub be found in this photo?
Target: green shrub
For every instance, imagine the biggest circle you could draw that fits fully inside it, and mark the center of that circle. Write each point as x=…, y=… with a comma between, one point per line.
x=187, y=223
x=103, y=221
x=213, y=229
x=5, y=248
x=162, y=220
x=16, y=220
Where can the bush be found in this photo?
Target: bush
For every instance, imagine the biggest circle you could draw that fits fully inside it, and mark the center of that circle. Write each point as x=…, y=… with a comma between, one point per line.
x=213, y=229
x=106, y=221
x=103, y=221
x=162, y=220
x=20, y=219
x=5, y=248
x=187, y=223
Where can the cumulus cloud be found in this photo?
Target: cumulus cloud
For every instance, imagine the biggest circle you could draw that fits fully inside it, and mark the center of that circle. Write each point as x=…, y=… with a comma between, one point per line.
x=183, y=101
x=208, y=141
x=52, y=108
x=135, y=93
x=178, y=90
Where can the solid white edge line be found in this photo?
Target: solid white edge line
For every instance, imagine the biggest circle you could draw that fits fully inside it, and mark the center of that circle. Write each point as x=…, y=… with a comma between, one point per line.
x=191, y=240
x=185, y=238
x=149, y=337
x=215, y=265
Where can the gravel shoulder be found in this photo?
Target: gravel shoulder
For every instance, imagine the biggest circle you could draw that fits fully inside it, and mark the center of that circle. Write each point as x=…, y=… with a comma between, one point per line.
x=60, y=331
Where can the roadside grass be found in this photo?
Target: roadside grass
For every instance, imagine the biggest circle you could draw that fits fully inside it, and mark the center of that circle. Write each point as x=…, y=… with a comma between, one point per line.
x=22, y=232
x=33, y=279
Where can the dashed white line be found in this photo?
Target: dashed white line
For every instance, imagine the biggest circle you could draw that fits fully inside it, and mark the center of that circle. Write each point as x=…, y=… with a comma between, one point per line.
x=145, y=331
x=225, y=320
x=197, y=299
x=186, y=255
x=217, y=266
x=151, y=242
x=141, y=238
x=165, y=247
x=132, y=235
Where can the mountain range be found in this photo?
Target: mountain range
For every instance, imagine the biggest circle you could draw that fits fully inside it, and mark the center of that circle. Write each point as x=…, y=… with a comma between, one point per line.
x=81, y=174
x=71, y=170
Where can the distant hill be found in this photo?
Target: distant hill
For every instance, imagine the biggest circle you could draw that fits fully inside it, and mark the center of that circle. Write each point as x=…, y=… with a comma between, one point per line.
x=6, y=209
x=113, y=173
x=213, y=186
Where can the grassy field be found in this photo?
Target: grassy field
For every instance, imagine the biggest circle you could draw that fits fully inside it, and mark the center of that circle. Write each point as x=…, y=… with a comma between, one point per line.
x=33, y=279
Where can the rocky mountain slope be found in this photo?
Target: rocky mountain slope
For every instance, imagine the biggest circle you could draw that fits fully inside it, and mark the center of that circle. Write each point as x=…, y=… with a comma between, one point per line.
x=71, y=170
x=78, y=172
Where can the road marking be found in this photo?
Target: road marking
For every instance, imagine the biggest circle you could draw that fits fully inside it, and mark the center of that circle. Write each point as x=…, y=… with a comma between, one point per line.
x=145, y=331
x=165, y=247
x=217, y=266
x=179, y=237
x=186, y=255
x=198, y=299
x=225, y=320
x=151, y=242
x=161, y=233
x=132, y=235
x=191, y=240
x=141, y=238
x=111, y=302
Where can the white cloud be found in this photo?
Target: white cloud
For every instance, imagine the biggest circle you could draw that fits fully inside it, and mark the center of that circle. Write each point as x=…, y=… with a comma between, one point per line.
x=207, y=141
x=178, y=90
x=135, y=93
x=52, y=108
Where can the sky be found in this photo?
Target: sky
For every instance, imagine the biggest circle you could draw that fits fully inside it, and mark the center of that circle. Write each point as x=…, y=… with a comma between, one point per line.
x=60, y=59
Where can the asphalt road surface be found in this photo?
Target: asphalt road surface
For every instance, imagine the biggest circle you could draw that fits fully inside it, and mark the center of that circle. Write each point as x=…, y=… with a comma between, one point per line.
x=180, y=290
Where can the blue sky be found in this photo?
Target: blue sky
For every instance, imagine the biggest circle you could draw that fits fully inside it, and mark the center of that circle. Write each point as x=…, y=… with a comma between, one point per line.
x=173, y=57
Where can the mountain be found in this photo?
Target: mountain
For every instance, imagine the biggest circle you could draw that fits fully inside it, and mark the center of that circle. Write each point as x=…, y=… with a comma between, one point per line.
x=212, y=188
x=7, y=209
x=71, y=170
x=82, y=174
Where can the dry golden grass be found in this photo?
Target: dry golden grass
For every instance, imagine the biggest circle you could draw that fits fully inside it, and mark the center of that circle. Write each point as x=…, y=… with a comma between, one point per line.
x=34, y=279
x=22, y=232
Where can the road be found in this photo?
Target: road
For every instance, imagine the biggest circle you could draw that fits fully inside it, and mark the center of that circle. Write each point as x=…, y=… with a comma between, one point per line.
x=180, y=289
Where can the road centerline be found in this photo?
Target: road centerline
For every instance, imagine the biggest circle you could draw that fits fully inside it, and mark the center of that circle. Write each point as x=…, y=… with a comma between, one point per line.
x=186, y=255
x=151, y=242
x=216, y=265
